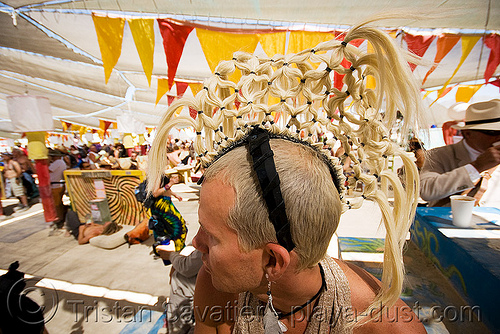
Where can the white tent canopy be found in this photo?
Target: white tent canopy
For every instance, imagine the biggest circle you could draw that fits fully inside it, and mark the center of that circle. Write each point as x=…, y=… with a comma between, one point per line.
x=51, y=49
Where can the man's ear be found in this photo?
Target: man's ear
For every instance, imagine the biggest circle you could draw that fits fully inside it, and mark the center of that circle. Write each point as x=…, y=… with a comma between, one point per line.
x=276, y=260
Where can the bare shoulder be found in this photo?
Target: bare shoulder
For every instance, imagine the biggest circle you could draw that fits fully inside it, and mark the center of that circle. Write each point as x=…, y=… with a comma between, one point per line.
x=364, y=287
x=214, y=311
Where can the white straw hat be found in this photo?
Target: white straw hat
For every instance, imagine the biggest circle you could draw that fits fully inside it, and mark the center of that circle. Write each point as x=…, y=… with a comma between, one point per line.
x=481, y=116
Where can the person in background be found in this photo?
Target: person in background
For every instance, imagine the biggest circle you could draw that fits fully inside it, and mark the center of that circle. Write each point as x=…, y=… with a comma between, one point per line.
x=12, y=173
x=173, y=156
x=56, y=171
x=28, y=169
x=418, y=150
x=179, y=312
x=468, y=167
x=167, y=221
x=93, y=156
x=120, y=151
x=89, y=230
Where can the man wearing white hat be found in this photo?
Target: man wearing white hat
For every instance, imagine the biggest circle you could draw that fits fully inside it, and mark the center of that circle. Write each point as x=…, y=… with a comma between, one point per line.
x=469, y=166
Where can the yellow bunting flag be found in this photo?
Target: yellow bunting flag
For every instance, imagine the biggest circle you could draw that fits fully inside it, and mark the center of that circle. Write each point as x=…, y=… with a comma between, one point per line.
x=468, y=43
x=465, y=93
x=36, y=145
x=82, y=130
x=144, y=39
x=273, y=43
x=161, y=90
x=427, y=93
x=109, y=35
x=195, y=87
x=219, y=46
x=301, y=40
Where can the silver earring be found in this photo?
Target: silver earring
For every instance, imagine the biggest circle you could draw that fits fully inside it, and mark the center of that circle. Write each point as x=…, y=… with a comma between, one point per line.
x=272, y=324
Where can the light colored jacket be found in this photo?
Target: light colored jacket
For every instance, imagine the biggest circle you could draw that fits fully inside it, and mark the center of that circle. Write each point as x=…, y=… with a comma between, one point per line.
x=444, y=173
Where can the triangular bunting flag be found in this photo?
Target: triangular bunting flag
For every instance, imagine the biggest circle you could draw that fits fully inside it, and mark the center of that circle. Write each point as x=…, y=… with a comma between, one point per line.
x=170, y=99
x=219, y=46
x=109, y=35
x=468, y=43
x=465, y=93
x=273, y=43
x=301, y=40
x=144, y=39
x=66, y=125
x=181, y=88
x=493, y=42
x=337, y=78
x=444, y=45
x=195, y=87
x=161, y=90
x=174, y=39
x=495, y=83
x=193, y=113
x=418, y=44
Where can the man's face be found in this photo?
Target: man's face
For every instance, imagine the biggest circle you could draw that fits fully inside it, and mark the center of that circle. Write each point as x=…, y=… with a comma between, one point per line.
x=479, y=140
x=232, y=270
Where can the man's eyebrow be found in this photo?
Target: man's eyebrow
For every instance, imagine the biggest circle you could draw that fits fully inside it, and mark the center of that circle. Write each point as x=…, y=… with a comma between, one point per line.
x=204, y=228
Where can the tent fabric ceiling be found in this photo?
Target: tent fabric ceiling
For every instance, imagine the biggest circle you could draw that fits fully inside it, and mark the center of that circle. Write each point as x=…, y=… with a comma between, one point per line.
x=464, y=14
x=71, y=75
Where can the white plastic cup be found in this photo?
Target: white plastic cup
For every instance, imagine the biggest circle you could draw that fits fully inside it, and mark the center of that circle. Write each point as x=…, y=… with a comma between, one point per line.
x=461, y=209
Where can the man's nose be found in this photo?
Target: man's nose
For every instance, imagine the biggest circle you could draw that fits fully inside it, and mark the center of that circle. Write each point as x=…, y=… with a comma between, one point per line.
x=198, y=242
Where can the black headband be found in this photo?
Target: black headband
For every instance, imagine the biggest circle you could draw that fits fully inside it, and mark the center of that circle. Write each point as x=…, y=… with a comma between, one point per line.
x=263, y=165
x=269, y=181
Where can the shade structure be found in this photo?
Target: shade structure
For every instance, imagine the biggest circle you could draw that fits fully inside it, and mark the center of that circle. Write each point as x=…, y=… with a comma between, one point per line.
x=51, y=48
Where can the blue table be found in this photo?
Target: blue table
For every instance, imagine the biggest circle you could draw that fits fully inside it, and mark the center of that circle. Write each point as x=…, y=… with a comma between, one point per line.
x=469, y=257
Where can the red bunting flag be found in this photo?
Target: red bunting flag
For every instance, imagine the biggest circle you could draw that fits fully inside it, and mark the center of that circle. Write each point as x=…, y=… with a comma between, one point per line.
x=493, y=42
x=495, y=83
x=170, y=99
x=174, y=39
x=193, y=113
x=337, y=78
x=418, y=44
x=181, y=88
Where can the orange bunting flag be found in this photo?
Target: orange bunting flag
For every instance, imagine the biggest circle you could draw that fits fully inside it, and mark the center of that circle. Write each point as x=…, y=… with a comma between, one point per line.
x=66, y=125
x=174, y=39
x=468, y=43
x=301, y=40
x=109, y=35
x=161, y=90
x=493, y=42
x=104, y=126
x=444, y=45
x=465, y=93
x=195, y=87
x=144, y=39
x=273, y=43
x=418, y=44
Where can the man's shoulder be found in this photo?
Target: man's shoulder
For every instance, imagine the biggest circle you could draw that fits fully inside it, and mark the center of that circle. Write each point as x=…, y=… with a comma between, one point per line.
x=364, y=288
